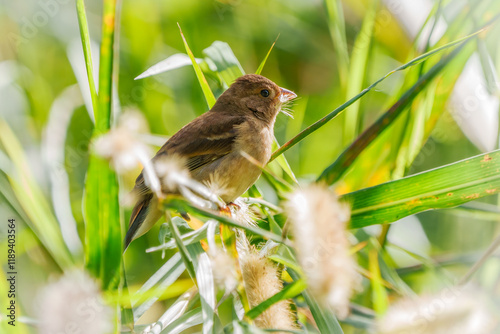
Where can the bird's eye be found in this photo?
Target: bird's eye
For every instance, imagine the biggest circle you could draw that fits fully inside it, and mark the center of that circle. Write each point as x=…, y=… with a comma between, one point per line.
x=264, y=92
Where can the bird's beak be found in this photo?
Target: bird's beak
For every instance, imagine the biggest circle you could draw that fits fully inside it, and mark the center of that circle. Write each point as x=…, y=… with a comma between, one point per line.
x=286, y=95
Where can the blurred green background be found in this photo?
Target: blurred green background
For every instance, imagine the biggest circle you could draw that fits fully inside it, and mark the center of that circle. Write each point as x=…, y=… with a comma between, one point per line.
x=43, y=94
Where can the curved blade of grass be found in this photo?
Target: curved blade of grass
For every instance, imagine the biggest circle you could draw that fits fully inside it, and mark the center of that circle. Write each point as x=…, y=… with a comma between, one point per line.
x=443, y=187
x=325, y=320
x=209, y=95
x=318, y=124
x=288, y=292
x=335, y=171
x=183, y=205
x=263, y=63
x=173, y=62
x=85, y=37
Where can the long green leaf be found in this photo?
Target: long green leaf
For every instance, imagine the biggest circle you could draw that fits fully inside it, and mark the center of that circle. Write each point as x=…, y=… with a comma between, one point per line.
x=318, y=124
x=442, y=187
x=209, y=95
x=333, y=172
x=186, y=257
x=357, y=70
x=85, y=37
x=336, y=25
x=103, y=241
x=325, y=320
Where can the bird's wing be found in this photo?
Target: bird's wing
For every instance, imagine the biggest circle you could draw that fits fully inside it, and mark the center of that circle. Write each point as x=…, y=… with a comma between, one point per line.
x=204, y=140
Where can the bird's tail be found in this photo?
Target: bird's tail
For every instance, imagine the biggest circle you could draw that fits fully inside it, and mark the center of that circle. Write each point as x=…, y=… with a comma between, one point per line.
x=136, y=226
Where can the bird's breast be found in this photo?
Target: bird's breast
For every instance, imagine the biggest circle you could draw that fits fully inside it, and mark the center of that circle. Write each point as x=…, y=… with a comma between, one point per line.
x=232, y=175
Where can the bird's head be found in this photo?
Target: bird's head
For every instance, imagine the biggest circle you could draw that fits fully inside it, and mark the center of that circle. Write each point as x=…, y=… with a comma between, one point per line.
x=257, y=96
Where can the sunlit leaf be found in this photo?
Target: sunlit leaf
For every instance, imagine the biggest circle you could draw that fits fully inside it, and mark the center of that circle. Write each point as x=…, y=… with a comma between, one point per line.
x=442, y=187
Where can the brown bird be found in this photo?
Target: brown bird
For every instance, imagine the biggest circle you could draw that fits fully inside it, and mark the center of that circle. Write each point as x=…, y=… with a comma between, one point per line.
x=242, y=119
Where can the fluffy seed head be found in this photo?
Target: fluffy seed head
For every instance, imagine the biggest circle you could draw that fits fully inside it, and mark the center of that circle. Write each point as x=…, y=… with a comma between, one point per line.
x=319, y=226
x=73, y=303
x=452, y=311
x=262, y=281
x=121, y=145
x=172, y=171
x=224, y=269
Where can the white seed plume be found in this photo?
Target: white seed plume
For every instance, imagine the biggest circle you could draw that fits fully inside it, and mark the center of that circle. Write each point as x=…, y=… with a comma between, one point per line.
x=172, y=172
x=262, y=281
x=223, y=269
x=121, y=144
x=319, y=226
x=73, y=304
x=217, y=184
x=242, y=213
x=452, y=311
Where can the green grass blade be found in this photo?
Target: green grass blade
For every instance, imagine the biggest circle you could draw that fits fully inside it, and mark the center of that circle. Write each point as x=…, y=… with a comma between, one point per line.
x=325, y=320
x=288, y=292
x=103, y=235
x=335, y=171
x=336, y=24
x=85, y=37
x=207, y=92
x=379, y=294
x=318, y=124
x=263, y=63
x=29, y=195
x=357, y=70
x=228, y=66
x=443, y=187
x=188, y=261
x=183, y=205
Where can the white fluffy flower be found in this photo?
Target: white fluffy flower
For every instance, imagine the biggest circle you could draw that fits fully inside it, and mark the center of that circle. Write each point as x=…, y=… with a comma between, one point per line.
x=121, y=145
x=224, y=269
x=172, y=172
x=452, y=311
x=319, y=226
x=73, y=304
x=262, y=281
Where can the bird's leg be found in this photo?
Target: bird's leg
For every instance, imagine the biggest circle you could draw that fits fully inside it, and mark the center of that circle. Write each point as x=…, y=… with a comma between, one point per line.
x=234, y=205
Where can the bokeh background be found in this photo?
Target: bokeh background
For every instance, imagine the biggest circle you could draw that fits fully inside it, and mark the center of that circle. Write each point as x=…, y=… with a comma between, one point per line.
x=43, y=98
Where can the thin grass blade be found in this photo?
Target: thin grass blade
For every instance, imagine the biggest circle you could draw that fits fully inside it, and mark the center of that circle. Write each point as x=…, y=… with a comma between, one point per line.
x=207, y=92
x=318, y=124
x=336, y=170
x=263, y=63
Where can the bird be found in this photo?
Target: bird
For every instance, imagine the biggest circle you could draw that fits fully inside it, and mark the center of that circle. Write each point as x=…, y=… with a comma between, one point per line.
x=241, y=120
